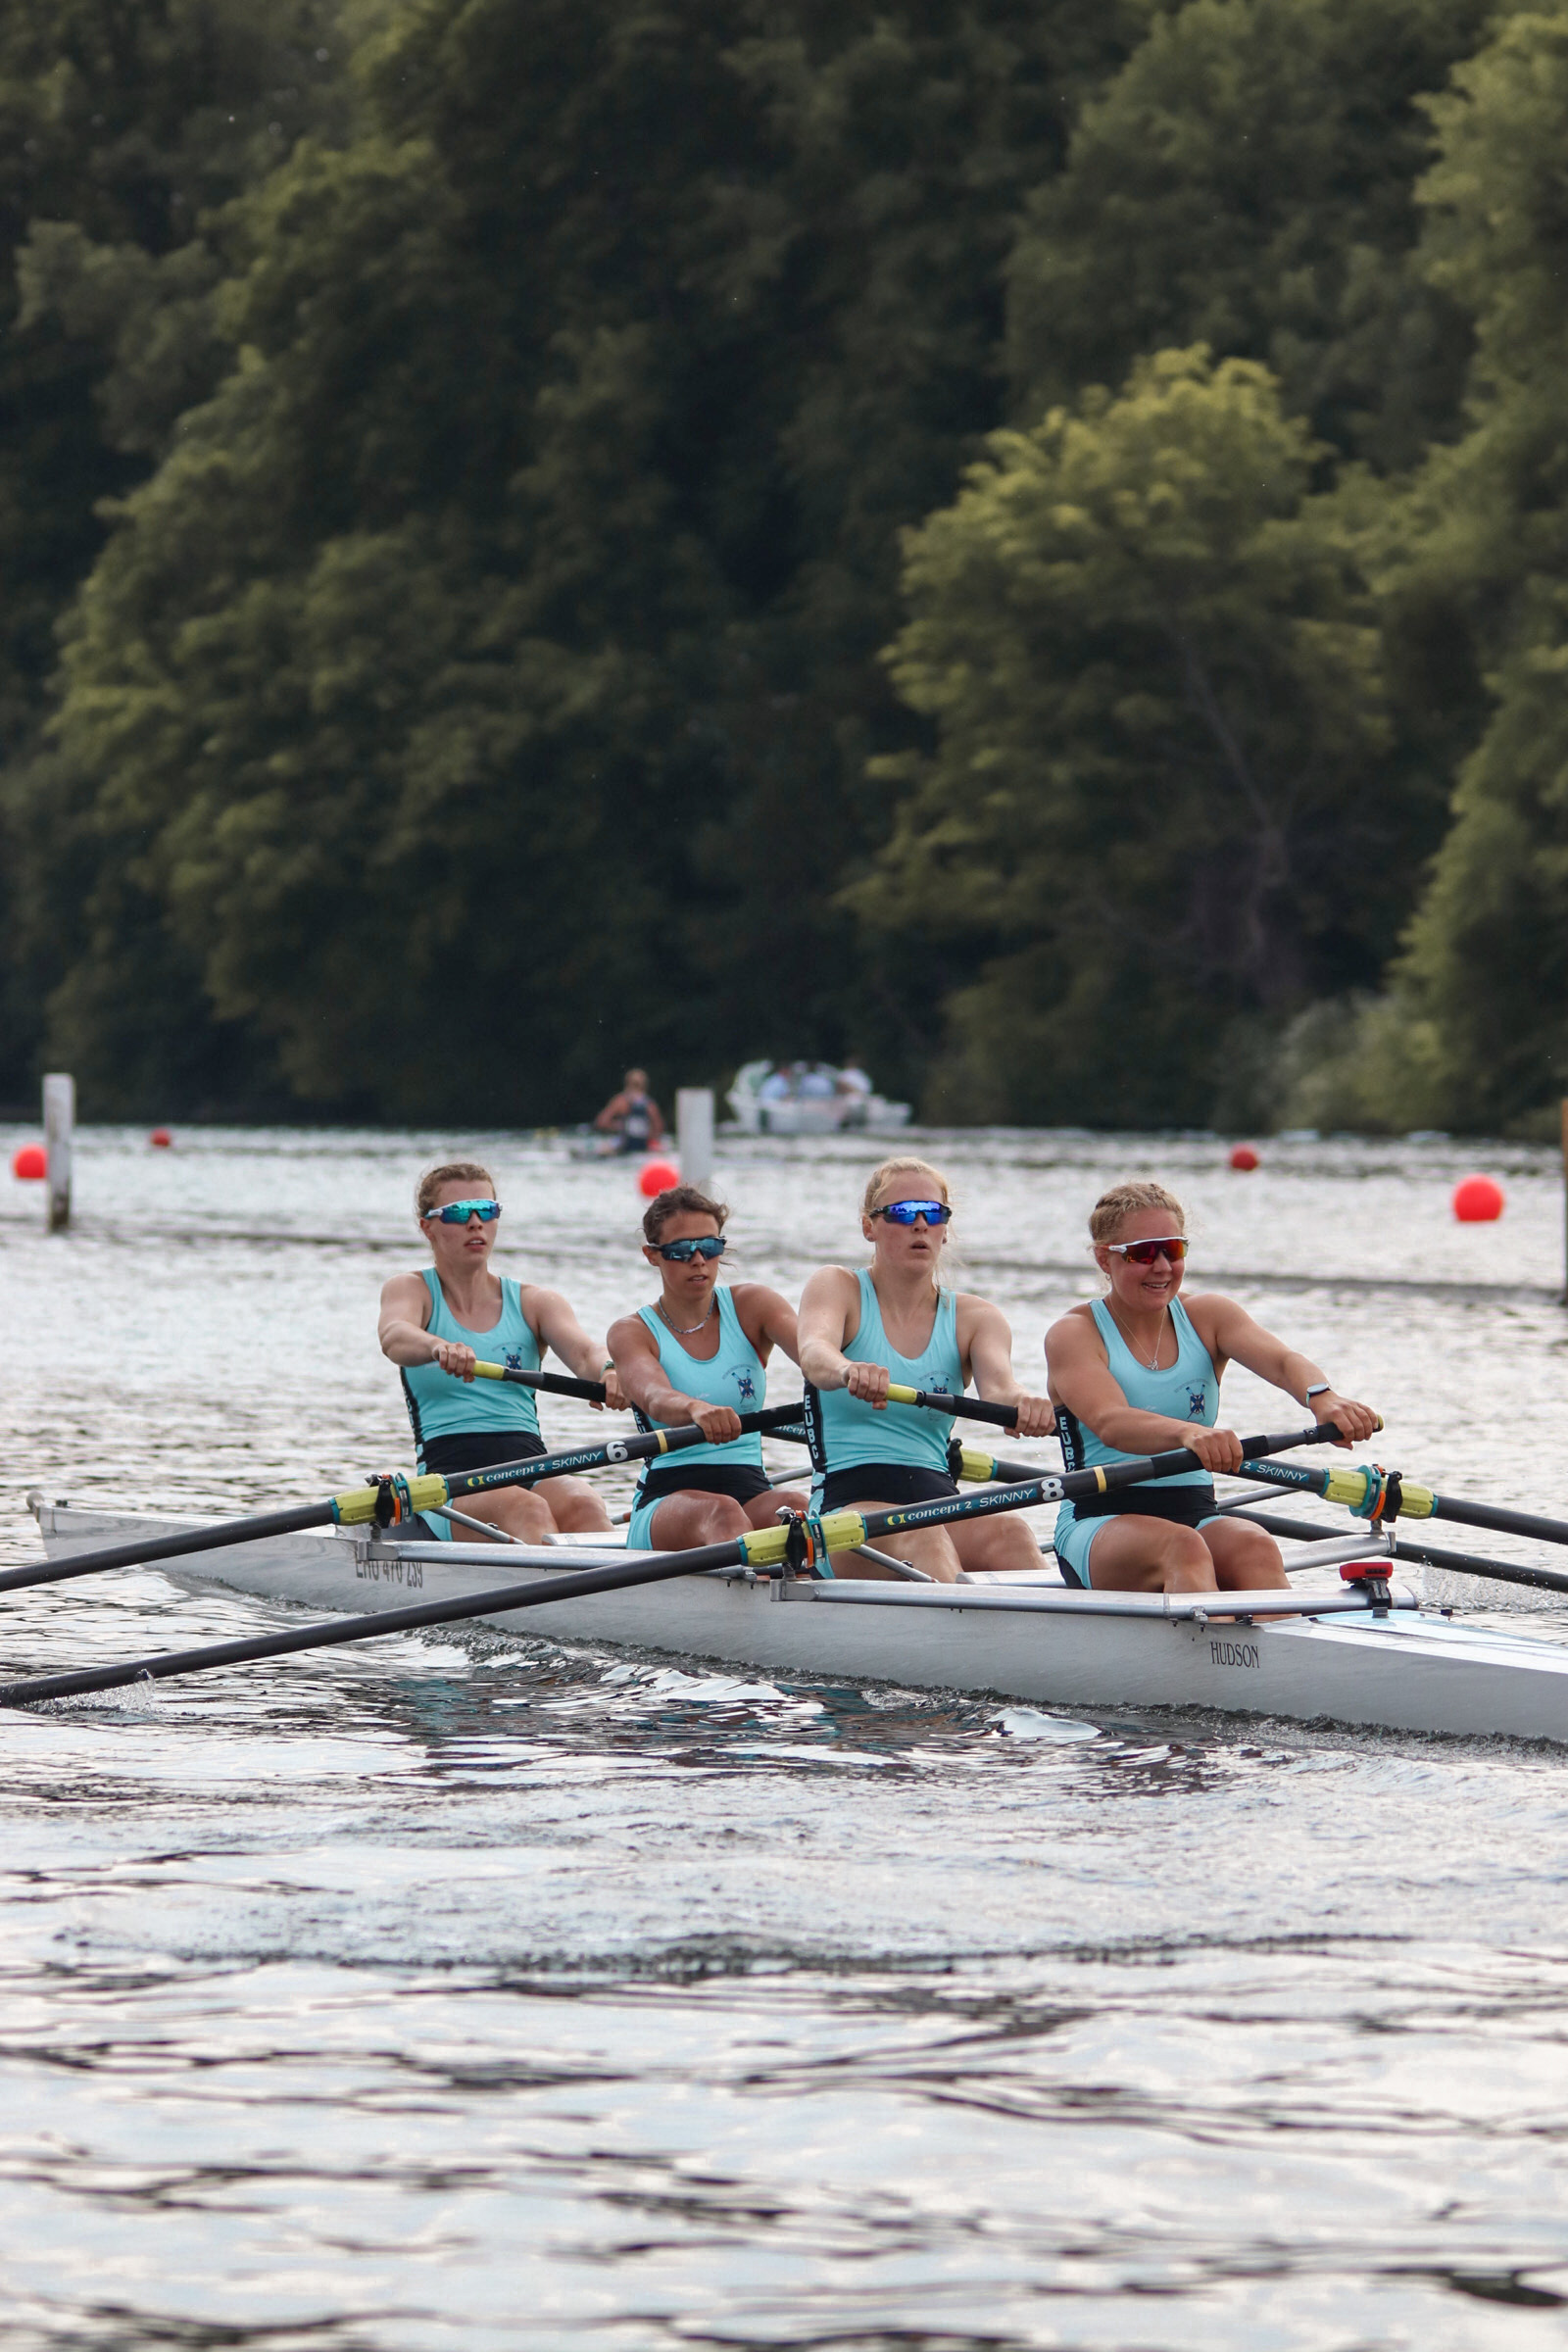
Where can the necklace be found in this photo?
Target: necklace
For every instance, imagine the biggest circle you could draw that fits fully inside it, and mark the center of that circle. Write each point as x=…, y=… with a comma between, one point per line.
x=684, y=1332
x=1152, y=1365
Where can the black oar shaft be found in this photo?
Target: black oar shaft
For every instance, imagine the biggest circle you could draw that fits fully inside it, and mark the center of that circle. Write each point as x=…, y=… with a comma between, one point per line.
x=498, y=1601
x=147, y=1550
x=505, y=1599
x=956, y=1408
x=557, y=1383
x=1504, y=1522
x=777, y=1421
x=1432, y=1556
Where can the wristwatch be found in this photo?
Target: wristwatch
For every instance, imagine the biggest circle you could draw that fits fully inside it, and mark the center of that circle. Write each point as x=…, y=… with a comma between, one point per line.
x=1324, y=1387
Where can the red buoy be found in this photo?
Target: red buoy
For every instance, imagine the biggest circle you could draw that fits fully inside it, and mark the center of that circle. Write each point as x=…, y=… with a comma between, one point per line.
x=658, y=1175
x=1245, y=1159
x=160, y=1139
x=29, y=1164
x=1478, y=1200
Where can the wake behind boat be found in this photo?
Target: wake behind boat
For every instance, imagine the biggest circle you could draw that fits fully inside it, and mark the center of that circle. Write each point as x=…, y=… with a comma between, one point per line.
x=1332, y=1656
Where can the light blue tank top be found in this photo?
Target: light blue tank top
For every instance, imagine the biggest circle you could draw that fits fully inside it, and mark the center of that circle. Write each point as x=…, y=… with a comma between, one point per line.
x=1187, y=1390
x=735, y=1376
x=440, y=1407
x=845, y=1432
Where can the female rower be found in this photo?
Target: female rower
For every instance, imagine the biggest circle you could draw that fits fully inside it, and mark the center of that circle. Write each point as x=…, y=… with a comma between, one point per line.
x=1139, y=1372
x=457, y=1313
x=894, y=1322
x=698, y=1358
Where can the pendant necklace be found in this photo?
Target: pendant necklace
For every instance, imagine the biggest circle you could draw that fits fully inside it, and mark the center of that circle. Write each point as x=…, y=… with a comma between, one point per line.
x=1152, y=1365
x=686, y=1333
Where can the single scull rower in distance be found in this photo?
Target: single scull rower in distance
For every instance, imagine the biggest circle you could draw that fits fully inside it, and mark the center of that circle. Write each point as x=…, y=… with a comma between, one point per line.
x=1138, y=1372
x=436, y=1325
x=698, y=1357
x=894, y=1322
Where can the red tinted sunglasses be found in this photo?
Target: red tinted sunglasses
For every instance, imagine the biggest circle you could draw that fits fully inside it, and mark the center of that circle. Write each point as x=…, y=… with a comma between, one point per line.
x=1144, y=1253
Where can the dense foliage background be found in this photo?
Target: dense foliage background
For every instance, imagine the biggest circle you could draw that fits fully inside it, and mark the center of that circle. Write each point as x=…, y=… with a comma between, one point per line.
x=1026, y=538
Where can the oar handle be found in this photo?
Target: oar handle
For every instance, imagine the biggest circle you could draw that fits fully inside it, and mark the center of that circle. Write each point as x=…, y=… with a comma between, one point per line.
x=558, y=1384
x=956, y=1408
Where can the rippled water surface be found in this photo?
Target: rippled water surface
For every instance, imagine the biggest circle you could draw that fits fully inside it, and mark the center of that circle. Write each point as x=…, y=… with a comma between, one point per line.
x=461, y=1992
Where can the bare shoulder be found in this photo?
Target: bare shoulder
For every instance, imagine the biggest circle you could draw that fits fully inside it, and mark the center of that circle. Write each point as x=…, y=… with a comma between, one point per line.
x=752, y=1298
x=1207, y=1310
x=630, y=1333
x=830, y=1284
x=1075, y=1334
x=970, y=1311
x=407, y=1295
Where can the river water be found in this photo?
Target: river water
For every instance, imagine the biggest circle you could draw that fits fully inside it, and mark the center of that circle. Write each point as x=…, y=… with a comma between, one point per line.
x=457, y=1991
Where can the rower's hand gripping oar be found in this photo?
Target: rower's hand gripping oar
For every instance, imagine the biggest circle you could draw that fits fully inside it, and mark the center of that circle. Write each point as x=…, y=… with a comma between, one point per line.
x=387, y=1499
x=800, y=1544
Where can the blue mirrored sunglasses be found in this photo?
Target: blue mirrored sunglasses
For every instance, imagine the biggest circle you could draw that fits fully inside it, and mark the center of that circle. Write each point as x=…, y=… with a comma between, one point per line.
x=681, y=1254
x=458, y=1212
x=905, y=1212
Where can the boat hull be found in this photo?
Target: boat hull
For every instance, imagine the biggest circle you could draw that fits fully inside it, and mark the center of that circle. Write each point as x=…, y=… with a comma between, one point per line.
x=1403, y=1672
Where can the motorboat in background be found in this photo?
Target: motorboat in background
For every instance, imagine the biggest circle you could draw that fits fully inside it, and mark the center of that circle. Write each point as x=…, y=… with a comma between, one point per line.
x=801, y=1098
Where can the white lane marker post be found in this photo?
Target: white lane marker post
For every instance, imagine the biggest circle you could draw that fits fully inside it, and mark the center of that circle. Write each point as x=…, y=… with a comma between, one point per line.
x=694, y=1134
x=59, y=1120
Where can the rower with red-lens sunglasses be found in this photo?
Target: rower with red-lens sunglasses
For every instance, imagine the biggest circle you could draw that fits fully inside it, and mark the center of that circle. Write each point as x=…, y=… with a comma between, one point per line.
x=1138, y=1372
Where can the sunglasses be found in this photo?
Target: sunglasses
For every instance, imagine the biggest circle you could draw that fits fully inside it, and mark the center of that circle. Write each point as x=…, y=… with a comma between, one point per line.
x=458, y=1212
x=681, y=1254
x=1144, y=1253
x=905, y=1212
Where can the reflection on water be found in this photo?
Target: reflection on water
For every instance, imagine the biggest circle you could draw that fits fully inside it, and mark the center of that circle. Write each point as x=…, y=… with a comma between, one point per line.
x=461, y=1992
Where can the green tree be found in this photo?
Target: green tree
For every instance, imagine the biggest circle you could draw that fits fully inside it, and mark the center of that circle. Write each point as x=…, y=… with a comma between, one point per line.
x=1248, y=182
x=1484, y=547
x=1158, y=794
x=480, y=689
x=121, y=128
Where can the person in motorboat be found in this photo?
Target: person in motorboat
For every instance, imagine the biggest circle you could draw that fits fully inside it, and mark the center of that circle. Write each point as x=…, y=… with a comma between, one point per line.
x=698, y=1358
x=632, y=1116
x=438, y=1324
x=816, y=1083
x=1138, y=1372
x=775, y=1087
x=895, y=1322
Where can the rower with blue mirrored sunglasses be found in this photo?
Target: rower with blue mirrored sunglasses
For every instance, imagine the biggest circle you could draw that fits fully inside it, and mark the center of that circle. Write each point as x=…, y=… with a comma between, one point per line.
x=905, y=1212
x=458, y=1212
x=703, y=1245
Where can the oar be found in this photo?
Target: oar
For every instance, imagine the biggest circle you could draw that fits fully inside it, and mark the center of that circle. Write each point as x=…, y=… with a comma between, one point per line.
x=804, y=1542
x=965, y=1462
x=387, y=1499
x=558, y=1383
x=956, y=1408
x=1432, y=1556
x=1373, y=1494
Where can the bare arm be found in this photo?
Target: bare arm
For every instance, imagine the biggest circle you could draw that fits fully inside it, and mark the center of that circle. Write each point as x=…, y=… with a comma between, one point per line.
x=557, y=1327
x=1230, y=1333
x=1082, y=1380
x=985, y=1344
x=405, y=1340
x=829, y=1304
x=767, y=1320
x=645, y=1384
